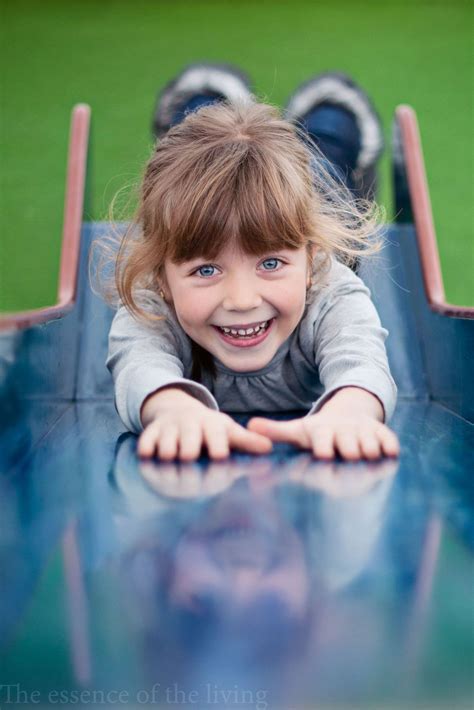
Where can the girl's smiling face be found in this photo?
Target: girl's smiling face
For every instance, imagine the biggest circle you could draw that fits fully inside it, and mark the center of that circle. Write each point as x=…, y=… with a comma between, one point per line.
x=263, y=295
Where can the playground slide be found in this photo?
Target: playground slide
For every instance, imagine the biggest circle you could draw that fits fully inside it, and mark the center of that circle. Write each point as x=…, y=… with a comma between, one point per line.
x=264, y=582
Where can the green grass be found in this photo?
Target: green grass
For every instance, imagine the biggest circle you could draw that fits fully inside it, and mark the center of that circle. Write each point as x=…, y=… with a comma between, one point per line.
x=116, y=54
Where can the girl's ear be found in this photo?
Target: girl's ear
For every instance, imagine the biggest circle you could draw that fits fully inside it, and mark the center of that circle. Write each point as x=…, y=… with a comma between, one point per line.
x=312, y=253
x=164, y=289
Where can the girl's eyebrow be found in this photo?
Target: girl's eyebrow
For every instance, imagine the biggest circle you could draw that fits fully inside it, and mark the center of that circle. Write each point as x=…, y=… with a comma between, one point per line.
x=198, y=260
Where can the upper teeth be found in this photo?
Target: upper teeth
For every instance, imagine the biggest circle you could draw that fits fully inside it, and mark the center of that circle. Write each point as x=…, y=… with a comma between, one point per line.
x=244, y=331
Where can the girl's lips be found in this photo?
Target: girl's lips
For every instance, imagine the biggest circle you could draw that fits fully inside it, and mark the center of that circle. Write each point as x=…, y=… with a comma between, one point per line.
x=245, y=342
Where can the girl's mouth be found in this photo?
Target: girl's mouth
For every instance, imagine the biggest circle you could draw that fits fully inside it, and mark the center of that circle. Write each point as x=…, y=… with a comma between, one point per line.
x=245, y=337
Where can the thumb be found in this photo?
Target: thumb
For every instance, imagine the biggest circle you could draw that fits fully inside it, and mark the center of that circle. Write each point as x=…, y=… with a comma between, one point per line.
x=290, y=431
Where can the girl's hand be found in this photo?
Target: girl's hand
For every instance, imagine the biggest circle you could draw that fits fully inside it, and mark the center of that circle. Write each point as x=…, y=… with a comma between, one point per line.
x=353, y=437
x=177, y=425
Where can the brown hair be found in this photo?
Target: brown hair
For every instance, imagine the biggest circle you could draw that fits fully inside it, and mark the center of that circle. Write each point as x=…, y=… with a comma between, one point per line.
x=234, y=171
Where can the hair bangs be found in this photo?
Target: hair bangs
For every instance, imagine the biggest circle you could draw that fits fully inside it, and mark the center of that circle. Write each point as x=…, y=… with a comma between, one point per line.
x=203, y=223
x=249, y=205
x=271, y=212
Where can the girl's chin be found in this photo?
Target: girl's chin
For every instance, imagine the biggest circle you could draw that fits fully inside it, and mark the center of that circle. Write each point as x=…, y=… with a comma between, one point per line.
x=242, y=355
x=244, y=361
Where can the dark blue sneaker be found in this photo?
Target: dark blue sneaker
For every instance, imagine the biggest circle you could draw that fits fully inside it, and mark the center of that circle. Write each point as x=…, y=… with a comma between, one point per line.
x=341, y=120
x=198, y=85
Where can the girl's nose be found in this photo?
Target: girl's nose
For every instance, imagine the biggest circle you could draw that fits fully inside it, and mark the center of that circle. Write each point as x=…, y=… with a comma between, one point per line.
x=241, y=295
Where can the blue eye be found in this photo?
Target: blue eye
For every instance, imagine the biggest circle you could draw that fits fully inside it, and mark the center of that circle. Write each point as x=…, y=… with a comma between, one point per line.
x=205, y=271
x=273, y=264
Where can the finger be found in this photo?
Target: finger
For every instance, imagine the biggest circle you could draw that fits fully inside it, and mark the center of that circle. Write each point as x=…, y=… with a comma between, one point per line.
x=347, y=445
x=249, y=441
x=216, y=440
x=147, y=442
x=323, y=444
x=291, y=431
x=389, y=442
x=370, y=445
x=168, y=442
x=190, y=442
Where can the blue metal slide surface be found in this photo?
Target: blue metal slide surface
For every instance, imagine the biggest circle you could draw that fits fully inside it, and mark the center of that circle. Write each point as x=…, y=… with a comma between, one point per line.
x=259, y=582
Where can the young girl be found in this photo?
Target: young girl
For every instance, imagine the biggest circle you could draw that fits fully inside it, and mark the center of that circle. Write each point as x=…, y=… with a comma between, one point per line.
x=234, y=297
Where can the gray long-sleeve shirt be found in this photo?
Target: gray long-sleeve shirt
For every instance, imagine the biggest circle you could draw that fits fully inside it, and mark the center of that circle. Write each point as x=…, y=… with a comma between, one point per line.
x=339, y=342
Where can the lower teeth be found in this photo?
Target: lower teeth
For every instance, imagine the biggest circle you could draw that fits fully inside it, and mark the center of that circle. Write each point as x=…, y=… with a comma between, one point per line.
x=247, y=337
x=243, y=337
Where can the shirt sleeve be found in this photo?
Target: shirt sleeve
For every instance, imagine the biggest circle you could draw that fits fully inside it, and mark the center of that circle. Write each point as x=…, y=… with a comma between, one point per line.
x=142, y=359
x=349, y=342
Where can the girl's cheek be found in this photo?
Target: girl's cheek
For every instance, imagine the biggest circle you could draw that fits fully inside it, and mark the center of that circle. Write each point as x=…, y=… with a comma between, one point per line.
x=192, y=310
x=292, y=298
x=185, y=298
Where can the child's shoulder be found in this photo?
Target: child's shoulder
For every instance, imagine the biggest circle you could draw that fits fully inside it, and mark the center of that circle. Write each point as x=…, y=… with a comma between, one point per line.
x=330, y=278
x=150, y=313
x=157, y=318
x=333, y=282
x=150, y=302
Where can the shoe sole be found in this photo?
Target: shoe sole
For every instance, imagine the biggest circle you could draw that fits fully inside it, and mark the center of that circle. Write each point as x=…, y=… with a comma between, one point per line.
x=220, y=79
x=338, y=88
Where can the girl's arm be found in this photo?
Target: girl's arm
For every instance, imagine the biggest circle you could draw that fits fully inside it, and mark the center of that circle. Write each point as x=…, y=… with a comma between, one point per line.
x=348, y=342
x=174, y=416
x=354, y=401
x=144, y=358
x=344, y=335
